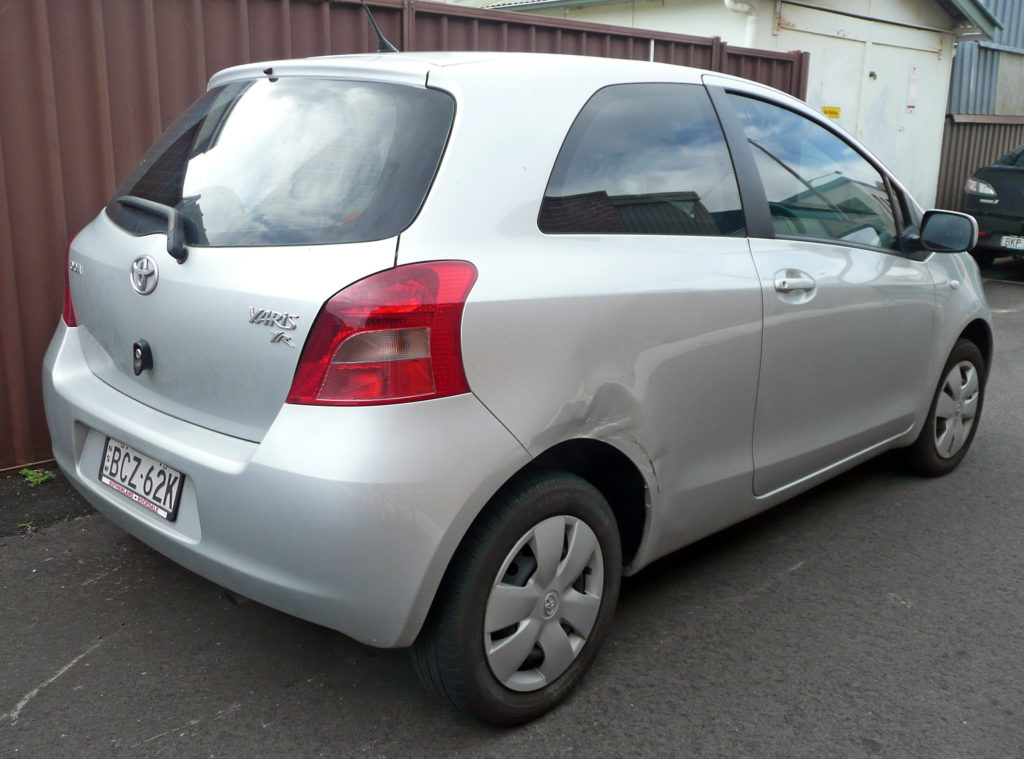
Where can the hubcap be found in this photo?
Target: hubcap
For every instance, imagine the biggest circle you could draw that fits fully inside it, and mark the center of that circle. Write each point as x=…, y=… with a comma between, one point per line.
x=550, y=604
x=956, y=409
x=544, y=603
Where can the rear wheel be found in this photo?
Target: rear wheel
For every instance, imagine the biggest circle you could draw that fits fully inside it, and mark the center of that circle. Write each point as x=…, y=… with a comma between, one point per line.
x=954, y=414
x=526, y=603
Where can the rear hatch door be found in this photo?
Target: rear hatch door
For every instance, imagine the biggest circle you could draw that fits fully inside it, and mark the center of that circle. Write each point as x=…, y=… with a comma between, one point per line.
x=288, y=189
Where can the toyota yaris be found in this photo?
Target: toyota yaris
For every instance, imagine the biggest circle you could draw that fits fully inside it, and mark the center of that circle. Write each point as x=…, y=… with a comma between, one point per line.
x=431, y=349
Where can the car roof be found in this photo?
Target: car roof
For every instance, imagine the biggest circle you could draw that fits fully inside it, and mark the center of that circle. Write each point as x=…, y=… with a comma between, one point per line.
x=415, y=67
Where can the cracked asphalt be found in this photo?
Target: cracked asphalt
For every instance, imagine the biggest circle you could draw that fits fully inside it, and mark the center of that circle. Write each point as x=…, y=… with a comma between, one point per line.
x=877, y=615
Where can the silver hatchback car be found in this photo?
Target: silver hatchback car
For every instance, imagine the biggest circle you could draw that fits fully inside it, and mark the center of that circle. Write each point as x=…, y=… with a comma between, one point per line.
x=433, y=348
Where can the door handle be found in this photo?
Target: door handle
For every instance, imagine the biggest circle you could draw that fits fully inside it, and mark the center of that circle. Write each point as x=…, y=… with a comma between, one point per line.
x=792, y=280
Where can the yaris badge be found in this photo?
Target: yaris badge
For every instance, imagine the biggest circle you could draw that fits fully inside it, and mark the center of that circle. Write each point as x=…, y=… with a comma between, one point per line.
x=279, y=321
x=144, y=275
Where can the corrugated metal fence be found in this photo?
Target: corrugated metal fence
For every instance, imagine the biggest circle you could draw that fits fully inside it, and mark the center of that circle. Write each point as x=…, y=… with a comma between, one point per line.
x=87, y=85
x=968, y=143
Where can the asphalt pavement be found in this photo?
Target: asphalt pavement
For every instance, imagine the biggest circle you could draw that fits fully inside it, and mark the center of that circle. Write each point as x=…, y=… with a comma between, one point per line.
x=878, y=615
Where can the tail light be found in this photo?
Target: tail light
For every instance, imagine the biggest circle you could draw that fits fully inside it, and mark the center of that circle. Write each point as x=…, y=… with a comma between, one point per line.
x=393, y=337
x=975, y=186
x=68, y=314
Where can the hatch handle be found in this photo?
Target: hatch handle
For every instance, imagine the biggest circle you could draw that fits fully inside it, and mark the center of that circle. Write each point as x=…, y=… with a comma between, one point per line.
x=175, y=226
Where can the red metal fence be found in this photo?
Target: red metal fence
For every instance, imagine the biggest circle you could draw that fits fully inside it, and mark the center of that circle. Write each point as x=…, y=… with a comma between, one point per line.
x=87, y=85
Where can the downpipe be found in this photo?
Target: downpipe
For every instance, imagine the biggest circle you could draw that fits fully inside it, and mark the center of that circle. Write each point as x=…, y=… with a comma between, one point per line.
x=738, y=6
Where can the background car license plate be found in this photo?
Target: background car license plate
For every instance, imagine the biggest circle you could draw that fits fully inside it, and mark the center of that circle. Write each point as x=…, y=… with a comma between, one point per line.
x=1013, y=241
x=146, y=481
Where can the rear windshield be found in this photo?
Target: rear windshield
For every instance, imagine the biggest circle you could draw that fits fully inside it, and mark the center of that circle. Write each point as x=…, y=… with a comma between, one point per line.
x=293, y=161
x=1011, y=158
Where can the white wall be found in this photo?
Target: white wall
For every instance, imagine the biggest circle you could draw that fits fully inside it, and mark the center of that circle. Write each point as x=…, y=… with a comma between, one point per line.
x=863, y=67
x=701, y=18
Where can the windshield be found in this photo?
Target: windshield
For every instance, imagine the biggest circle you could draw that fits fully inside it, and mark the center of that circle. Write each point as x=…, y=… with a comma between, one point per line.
x=293, y=161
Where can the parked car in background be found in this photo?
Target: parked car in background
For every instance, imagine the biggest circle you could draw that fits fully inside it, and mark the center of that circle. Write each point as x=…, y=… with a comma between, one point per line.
x=994, y=195
x=432, y=348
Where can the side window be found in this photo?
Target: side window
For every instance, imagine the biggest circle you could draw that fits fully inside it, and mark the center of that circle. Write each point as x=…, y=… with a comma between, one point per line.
x=644, y=159
x=817, y=185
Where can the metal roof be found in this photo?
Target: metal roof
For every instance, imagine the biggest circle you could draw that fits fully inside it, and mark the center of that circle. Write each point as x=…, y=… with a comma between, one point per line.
x=975, y=11
x=1011, y=14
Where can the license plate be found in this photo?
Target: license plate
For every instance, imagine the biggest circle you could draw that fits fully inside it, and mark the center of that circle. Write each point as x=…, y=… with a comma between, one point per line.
x=1013, y=241
x=146, y=481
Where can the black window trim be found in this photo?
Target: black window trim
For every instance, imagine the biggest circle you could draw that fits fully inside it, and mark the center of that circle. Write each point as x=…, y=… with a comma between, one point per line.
x=747, y=173
x=752, y=195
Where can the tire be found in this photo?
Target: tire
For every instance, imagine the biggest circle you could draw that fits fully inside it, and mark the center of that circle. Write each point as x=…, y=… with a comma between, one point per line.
x=954, y=413
x=984, y=258
x=526, y=603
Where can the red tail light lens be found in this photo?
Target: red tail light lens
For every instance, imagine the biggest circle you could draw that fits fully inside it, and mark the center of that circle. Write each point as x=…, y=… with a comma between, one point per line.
x=390, y=338
x=68, y=314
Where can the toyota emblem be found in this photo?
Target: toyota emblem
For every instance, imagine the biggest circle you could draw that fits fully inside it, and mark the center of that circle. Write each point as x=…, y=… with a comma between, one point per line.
x=144, y=275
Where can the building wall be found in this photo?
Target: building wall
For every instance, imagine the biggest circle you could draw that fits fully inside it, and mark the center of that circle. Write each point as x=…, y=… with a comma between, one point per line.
x=888, y=83
x=987, y=80
x=710, y=17
x=1009, y=95
x=973, y=81
x=704, y=18
x=865, y=67
x=987, y=75
x=986, y=102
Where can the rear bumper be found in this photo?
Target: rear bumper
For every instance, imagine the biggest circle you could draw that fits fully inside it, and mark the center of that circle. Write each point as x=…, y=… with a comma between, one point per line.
x=346, y=517
x=992, y=227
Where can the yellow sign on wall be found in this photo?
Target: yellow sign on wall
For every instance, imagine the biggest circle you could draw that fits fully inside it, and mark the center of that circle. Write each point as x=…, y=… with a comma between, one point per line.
x=831, y=111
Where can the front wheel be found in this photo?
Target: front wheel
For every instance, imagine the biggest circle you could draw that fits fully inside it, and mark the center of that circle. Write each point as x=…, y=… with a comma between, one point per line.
x=526, y=603
x=954, y=413
x=985, y=258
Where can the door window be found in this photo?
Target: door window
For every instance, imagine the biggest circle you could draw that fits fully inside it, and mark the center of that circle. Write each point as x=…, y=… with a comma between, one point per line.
x=644, y=159
x=817, y=185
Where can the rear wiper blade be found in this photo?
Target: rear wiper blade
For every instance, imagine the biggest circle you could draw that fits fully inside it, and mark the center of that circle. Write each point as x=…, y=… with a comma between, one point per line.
x=175, y=226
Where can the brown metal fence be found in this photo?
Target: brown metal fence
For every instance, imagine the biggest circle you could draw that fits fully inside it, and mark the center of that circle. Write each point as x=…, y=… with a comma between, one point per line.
x=87, y=85
x=968, y=143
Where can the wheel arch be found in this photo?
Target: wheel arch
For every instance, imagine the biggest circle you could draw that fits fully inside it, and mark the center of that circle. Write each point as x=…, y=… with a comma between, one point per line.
x=614, y=474
x=604, y=466
x=979, y=333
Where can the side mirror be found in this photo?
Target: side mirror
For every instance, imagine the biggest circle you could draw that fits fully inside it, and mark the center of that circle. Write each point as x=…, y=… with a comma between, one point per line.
x=948, y=232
